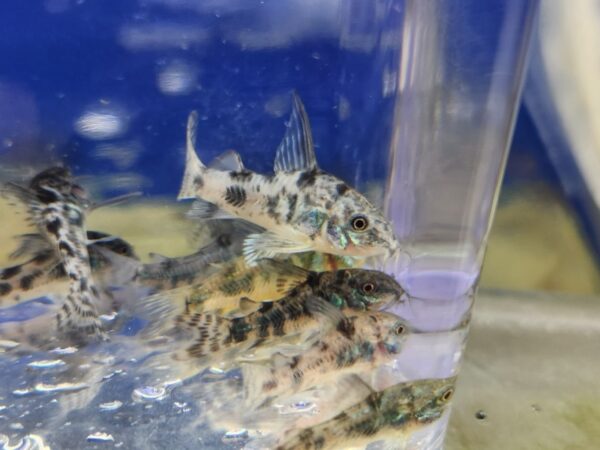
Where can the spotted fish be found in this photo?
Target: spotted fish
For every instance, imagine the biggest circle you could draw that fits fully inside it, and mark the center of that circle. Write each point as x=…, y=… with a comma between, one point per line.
x=57, y=206
x=373, y=337
x=225, y=290
x=390, y=414
x=225, y=243
x=307, y=310
x=43, y=272
x=301, y=207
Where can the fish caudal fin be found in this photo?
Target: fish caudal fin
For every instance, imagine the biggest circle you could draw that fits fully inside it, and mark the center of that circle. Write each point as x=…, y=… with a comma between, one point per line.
x=262, y=379
x=78, y=318
x=210, y=333
x=193, y=166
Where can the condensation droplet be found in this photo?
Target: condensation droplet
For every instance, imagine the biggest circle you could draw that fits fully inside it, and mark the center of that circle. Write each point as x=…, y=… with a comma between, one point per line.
x=46, y=364
x=111, y=406
x=100, y=437
x=236, y=435
x=44, y=388
x=64, y=350
x=101, y=124
x=149, y=393
x=178, y=78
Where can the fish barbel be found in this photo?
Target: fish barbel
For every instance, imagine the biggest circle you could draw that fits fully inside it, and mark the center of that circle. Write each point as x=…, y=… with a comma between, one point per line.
x=392, y=413
x=301, y=207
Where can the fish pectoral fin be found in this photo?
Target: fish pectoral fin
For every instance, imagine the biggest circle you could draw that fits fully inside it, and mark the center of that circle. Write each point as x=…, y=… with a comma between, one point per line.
x=248, y=306
x=296, y=151
x=268, y=245
x=203, y=210
x=323, y=308
x=159, y=311
x=354, y=383
x=30, y=244
x=229, y=161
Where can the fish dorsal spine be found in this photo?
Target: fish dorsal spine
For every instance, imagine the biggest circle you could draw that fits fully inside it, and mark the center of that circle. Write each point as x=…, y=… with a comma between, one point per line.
x=296, y=151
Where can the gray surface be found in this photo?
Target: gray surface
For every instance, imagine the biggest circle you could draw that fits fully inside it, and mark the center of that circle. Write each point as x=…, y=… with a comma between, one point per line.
x=532, y=365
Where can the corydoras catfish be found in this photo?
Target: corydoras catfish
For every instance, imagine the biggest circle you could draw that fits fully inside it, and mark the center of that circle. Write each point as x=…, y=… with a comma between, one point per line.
x=390, y=414
x=309, y=309
x=57, y=206
x=43, y=272
x=372, y=338
x=301, y=207
x=232, y=284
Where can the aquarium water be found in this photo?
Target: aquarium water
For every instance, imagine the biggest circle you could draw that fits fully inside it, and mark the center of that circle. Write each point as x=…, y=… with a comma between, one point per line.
x=406, y=104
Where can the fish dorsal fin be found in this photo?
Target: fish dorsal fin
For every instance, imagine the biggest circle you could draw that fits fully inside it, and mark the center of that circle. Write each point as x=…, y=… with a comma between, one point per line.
x=296, y=151
x=229, y=161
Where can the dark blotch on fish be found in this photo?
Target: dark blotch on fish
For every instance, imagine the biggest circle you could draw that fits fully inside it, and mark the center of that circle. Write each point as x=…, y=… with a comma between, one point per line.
x=235, y=195
x=272, y=202
x=243, y=175
x=53, y=227
x=64, y=246
x=5, y=288
x=342, y=188
x=27, y=281
x=307, y=178
x=346, y=327
x=199, y=181
x=10, y=272
x=224, y=240
x=292, y=200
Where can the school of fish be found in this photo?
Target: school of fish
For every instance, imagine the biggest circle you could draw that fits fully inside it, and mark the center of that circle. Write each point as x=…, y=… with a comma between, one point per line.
x=278, y=290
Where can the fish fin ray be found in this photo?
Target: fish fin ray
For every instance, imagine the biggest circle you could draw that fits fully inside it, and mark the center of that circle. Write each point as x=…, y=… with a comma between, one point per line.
x=203, y=210
x=193, y=165
x=268, y=245
x=296, y=150
x=115, y=200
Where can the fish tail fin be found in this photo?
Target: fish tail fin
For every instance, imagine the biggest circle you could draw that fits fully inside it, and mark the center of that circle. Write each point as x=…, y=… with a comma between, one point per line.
x=210, y=333
x=193, y=166
x=78, y=317
x=260, y=381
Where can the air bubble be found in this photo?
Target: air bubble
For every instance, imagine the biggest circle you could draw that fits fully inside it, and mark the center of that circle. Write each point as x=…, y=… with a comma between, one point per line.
x=149, y=393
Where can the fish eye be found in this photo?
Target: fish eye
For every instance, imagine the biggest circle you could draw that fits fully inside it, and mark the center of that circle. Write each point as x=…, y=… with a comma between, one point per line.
x=359, y=223
x=447, y=395
x=400, y=329
x=368, y=288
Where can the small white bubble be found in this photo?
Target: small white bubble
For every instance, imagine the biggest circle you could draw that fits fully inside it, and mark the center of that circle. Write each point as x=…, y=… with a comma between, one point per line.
x=100, y=437
x=16, y=426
